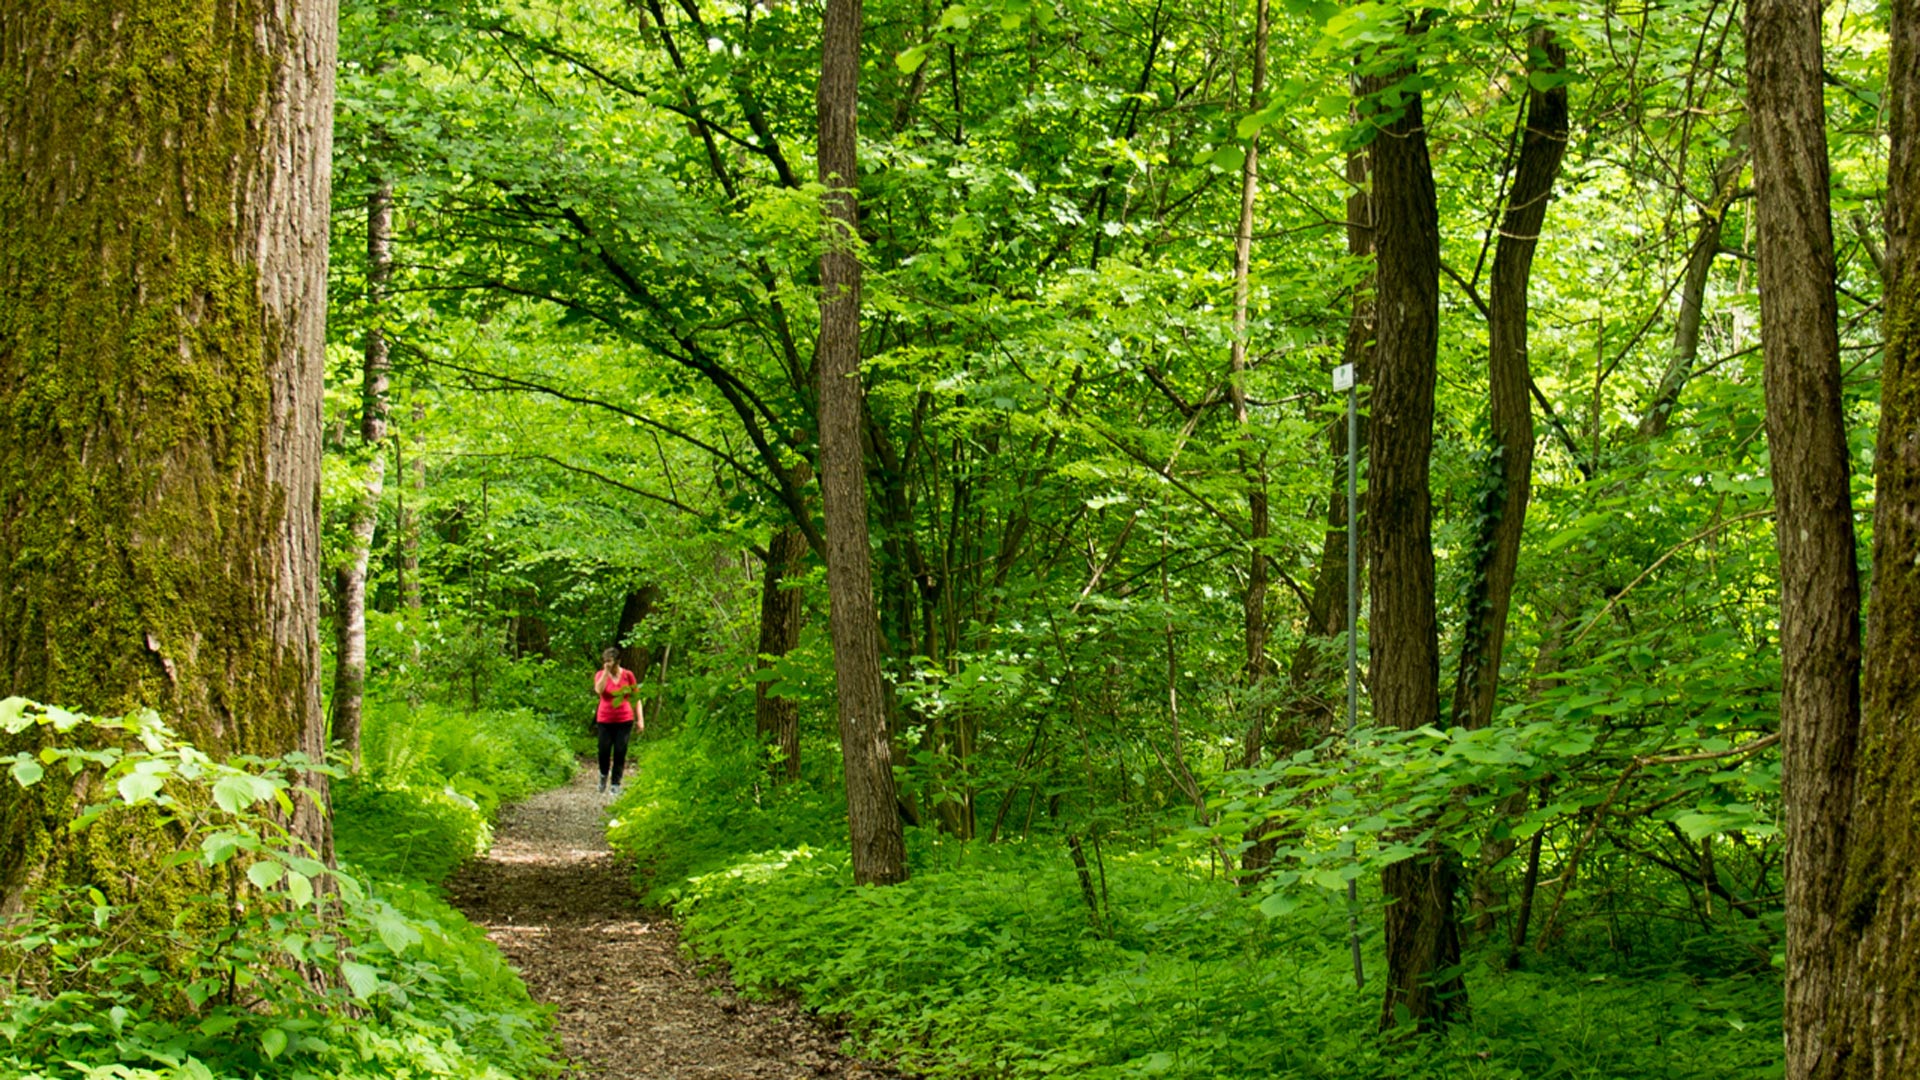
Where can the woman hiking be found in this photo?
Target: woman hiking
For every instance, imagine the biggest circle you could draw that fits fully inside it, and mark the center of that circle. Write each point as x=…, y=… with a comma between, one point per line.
x=617, y=717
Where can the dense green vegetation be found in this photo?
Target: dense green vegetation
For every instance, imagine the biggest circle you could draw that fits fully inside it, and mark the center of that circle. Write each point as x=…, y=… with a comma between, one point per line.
x=408, y=986
x=1112, y=254
x=989, y=962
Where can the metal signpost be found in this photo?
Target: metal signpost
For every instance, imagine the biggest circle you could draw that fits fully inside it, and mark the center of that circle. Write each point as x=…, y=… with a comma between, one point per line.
x=1343, y=380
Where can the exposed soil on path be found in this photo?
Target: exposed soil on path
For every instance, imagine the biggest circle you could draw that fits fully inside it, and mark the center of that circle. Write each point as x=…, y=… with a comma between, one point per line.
x=629, y=1004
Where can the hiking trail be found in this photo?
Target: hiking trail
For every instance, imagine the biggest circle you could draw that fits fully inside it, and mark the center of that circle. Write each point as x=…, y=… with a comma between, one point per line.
x=629, y=1005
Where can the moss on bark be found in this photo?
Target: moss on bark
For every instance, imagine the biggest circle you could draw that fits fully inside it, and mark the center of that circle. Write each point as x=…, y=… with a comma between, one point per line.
x=145, y=340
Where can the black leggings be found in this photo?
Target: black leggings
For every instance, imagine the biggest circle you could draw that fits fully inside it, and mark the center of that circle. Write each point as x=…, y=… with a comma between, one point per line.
x=613, y=747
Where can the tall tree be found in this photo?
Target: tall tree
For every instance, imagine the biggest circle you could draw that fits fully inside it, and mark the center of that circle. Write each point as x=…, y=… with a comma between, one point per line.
x=1873, y=1019
x=1496, y=548
x=1807, y=439
x=164, y=181
x=776, y=717
x=1253, y=467
x=1423, y=942
x=873, y=821
x=1313, y=710
x=350, y=577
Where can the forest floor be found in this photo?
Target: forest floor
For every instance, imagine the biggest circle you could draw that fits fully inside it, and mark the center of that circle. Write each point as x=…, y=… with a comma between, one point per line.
x=629, y=1004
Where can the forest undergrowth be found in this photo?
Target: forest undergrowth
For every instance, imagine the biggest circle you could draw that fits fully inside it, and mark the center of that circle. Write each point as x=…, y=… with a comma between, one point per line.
x=279, y=966
x=994, y=960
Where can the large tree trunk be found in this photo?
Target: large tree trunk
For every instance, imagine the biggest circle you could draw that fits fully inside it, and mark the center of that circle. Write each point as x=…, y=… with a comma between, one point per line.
x=350, y=592
x=1806, y=437
x=873, y=821
x=1422, y=938
x=1496, y=548
x=164, y=179
x=1873, y=1020
x=778, y=718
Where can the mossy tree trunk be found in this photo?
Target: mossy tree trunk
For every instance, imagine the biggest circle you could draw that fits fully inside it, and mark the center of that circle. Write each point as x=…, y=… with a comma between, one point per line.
x=1807, y=442
x=1873, y=1021
x=164, y=178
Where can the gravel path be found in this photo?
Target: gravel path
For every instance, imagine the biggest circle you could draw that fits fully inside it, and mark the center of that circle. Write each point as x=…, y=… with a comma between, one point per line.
x=629, y=1004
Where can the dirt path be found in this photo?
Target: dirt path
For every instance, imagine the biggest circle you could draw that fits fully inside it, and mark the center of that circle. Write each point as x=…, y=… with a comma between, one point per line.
x=629, y=1005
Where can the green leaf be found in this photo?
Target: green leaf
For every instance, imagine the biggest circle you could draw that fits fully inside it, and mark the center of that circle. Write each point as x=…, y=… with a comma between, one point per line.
x=299, y=888
x=139, y=787
x=27, y=772
x=910, y=60
x=265, y=873
x=273, y=1042
x=361, y=979
x=13, y=715
x=238, y=791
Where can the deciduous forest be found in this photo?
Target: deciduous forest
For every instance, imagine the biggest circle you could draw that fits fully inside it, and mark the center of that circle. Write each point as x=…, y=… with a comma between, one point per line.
x=1150, y=538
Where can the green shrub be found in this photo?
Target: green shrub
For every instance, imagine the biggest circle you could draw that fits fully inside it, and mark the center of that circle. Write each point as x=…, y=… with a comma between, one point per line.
x=695, y=803
x=990, y=963
x=489, y=756
x=272, y=966
x=405, y=832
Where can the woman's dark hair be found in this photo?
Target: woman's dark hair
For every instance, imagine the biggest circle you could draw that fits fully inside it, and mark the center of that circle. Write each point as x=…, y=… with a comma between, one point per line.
x=609, y=653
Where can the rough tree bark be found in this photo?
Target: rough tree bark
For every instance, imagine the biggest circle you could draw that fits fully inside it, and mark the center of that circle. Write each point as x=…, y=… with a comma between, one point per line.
x=164, y=180
x=873, y=822
x=778, y=718
x=1806, y=438
x=1873, y=1022
x=1496, y=548
x=350, y=577
x=1421, y=937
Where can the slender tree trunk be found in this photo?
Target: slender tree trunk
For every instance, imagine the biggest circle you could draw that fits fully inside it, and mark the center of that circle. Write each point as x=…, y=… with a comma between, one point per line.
x=873, y=821
x=1314, y=711
x=1253, y=469
x=407, y=514
x=1806, y=438
x=1496, y=548
x=350, y=616
x=1422, y=938
x=777, y=718
x=1873, y=1020
x=1693, y=296
x=164, y=183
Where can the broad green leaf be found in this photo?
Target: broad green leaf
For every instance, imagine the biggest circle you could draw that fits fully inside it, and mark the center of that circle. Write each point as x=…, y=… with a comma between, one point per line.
x=361, y=979
x=265, y=873
x=27, y=772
